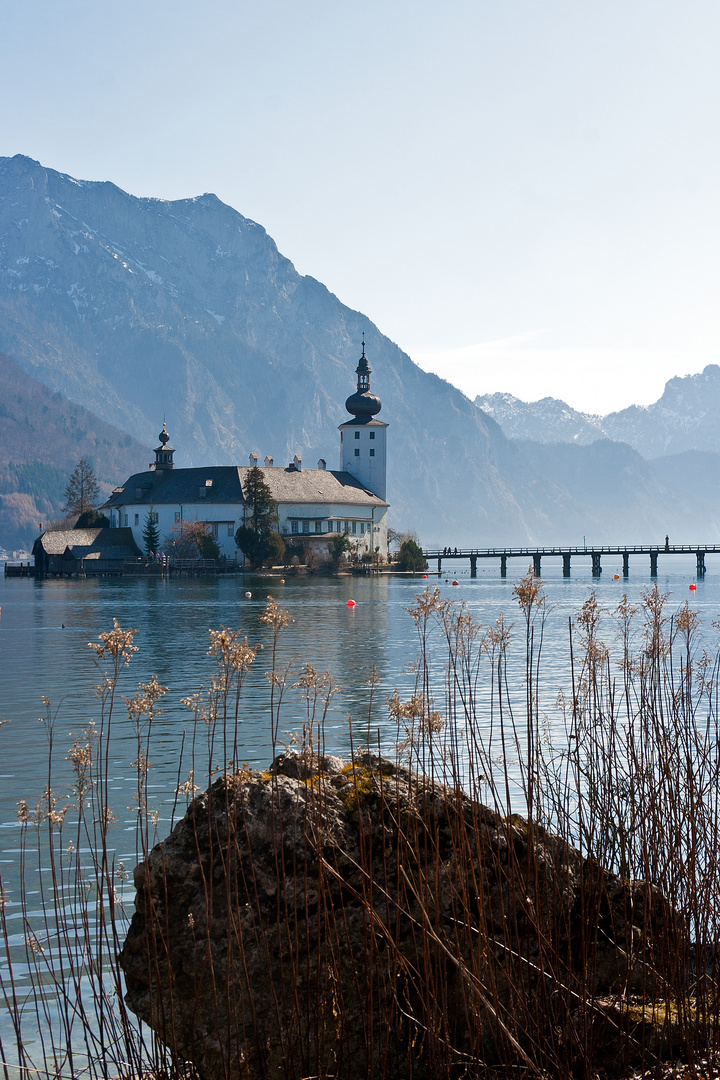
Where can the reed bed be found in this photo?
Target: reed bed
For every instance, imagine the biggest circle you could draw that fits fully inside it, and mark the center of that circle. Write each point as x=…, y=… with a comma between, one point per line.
x=626, y=771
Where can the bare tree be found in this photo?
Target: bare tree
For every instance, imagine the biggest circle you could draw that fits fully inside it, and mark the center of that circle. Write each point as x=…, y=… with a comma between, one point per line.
x=82, y=491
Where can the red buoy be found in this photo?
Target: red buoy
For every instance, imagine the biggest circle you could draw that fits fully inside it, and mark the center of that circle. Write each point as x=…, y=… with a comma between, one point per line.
x=692, y=588
x=456, y=582
x=351, y=603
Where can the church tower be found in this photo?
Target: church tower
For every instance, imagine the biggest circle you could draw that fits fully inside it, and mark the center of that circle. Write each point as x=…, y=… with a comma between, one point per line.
x=363, y=438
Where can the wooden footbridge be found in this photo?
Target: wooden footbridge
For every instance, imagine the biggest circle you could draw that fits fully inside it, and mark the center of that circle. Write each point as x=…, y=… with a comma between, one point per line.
x=537, y=554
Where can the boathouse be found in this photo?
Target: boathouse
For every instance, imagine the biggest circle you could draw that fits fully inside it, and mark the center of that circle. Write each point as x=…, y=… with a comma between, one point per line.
x=93, y=552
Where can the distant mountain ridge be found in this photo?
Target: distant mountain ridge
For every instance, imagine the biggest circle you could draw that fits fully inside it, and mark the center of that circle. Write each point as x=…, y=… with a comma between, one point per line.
x=143, y=309
x=42, y=437
x=685, y=417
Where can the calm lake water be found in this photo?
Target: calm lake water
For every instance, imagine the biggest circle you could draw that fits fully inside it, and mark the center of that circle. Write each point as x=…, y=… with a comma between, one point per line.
x=45, y=627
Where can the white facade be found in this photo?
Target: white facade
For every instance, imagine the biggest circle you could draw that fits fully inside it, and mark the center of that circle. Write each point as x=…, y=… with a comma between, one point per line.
x=313, y=522
x=363, y=453
x=222, y=521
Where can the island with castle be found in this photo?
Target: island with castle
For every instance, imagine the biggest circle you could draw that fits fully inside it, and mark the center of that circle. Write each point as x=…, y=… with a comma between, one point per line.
x=313, y=505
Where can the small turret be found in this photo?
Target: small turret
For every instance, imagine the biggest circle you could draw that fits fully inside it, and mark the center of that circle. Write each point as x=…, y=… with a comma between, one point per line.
x=163, y=453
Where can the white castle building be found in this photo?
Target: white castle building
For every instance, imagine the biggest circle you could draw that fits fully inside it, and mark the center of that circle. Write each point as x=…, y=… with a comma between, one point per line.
x=312, y=504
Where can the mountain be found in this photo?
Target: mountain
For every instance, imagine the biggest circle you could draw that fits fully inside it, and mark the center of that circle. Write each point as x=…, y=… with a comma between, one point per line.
x=42, y=438
x=545, y=421
x=140, y=309
x=684, y=418
x=143, y=309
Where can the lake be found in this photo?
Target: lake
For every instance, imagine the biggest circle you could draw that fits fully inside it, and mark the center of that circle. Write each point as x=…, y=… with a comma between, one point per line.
x=46, y=625
x=45, y=628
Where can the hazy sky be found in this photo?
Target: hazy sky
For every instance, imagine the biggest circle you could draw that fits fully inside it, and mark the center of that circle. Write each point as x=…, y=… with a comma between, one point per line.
x=521, y=193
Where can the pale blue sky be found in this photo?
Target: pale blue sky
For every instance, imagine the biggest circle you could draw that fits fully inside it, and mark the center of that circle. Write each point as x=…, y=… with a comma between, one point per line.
x=521, y=193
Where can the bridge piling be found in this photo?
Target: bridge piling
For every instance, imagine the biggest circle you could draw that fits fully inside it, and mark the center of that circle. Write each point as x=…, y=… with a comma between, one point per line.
x=700, y=557
x=503, y=566
x=626, y=564
x=473, y=566
x=596, y=567
x=536, y=564
x=653, y=563
x=566, y=564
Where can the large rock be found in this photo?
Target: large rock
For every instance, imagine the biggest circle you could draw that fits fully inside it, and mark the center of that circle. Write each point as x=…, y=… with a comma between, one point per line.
x=359, y=920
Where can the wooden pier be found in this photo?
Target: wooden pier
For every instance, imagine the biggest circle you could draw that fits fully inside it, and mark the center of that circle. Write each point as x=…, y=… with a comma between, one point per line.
x=537, y=554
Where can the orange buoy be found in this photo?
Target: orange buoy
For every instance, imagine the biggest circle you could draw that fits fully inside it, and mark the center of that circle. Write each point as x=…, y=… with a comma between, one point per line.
x=282, y=580
x=456, y=582
x=351, y=603
x=616, y=578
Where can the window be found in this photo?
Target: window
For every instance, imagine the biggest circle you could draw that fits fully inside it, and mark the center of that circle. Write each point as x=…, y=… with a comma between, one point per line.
x=372, y=451
x=353, y=526
x=357, y=434
x=318, y=526
x=293, y=527
x=362, y=528
x=306, y=526
x=154, y=518
x=357, y=452
x=137, y=519
x=126, y=519
x=231, y=528
x=177, y=515
x=372, y=434
x=214, y=528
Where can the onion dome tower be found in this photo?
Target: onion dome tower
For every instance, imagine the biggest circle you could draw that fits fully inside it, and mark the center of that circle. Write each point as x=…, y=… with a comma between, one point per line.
x=363, y=438
x=163, y=453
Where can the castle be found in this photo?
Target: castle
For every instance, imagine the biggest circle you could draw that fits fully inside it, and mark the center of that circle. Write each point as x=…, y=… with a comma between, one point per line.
x=312, y=504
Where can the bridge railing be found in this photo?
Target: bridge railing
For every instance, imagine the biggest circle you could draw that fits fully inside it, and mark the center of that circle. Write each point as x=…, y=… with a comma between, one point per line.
x=598, y=549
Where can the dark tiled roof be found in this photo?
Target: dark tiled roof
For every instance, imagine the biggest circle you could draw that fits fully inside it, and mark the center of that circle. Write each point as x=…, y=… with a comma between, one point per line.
x=177, y=486
x=98, y=543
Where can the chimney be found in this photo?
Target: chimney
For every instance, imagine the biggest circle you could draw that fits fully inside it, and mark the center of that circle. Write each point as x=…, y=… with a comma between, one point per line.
x=253, y=459
x=268, y=462
x=297, y=462
x=322, y=464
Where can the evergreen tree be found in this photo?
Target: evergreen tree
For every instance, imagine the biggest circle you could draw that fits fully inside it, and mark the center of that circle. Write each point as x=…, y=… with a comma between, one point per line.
x=258, y=500
x=410, y=556
x=151, y=532
x=82, y=491
x=258, y=538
